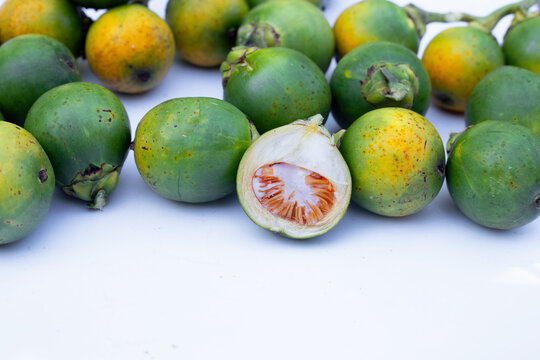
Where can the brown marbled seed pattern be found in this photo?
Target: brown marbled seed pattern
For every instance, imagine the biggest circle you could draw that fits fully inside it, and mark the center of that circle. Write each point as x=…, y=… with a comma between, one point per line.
x=302, y=196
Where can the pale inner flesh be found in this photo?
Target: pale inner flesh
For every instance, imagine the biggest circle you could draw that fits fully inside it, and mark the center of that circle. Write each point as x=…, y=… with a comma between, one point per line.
x=293, y=193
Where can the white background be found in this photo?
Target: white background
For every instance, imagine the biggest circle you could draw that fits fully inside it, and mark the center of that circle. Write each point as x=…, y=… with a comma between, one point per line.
x=148, y=278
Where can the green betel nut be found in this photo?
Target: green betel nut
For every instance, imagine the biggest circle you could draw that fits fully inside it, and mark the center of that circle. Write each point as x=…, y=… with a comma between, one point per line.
x=508, y=94
x=85, y=130
x=274, y=86
x=26, y=183
x=378, y=74
x=493, y=174
x=188, y=149
x=521, y=45
x=29, y=66
x=297, y=25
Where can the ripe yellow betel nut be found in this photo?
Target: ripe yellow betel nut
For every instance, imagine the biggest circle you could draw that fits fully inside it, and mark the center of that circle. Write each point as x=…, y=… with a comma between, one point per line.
x=130, y=49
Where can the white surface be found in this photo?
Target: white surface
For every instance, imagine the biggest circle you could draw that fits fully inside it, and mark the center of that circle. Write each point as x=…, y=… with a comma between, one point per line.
x=148, y=278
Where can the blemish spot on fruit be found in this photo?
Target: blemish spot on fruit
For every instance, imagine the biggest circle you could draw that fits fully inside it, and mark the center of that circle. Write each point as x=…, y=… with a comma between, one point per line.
x=69, y=64
x=293, y=193
x=91, y=169
x=142, y=75
x=440, y=169
x=444, y=99
x=537, y=202
x=42, y=175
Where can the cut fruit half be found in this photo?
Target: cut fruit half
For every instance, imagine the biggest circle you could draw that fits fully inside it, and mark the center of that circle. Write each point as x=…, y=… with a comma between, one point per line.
x=293, y=180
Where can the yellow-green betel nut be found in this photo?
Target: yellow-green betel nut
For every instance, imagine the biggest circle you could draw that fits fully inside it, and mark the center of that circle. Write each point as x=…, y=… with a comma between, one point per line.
x=396, y=158
x=372, y=20
x=456, y=60
x=59, y=19
x=188, y=149
x=26, y=183
x=205, y=30
x=130, y=49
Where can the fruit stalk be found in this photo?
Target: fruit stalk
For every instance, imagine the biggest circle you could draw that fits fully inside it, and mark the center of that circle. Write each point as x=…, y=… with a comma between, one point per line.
x=422, y=17
x=488, y=22
x=522, y=15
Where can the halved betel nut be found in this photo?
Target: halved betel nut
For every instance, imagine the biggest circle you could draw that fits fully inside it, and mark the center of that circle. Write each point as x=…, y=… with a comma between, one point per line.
x=293, y=180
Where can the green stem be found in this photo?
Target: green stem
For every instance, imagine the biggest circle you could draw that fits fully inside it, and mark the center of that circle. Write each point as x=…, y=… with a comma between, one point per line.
x=488, y=22
x=519, y=16
x=422, y=17
x=99, y=200
x=429, y=17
